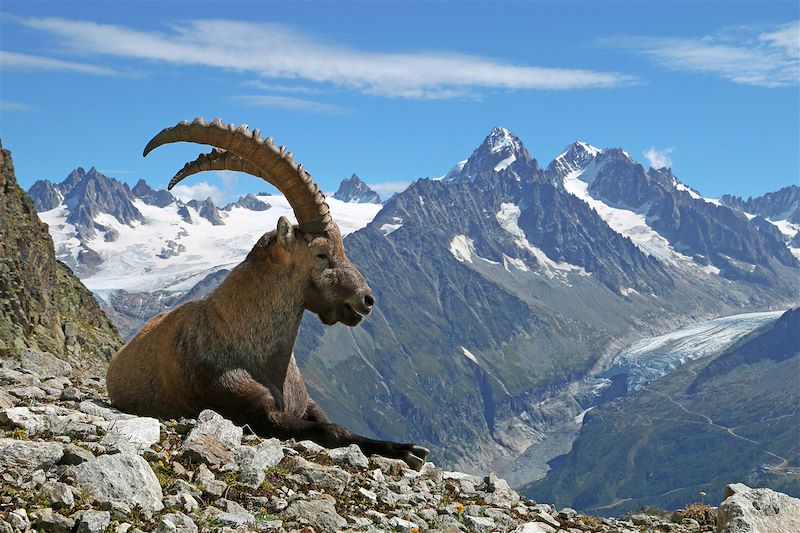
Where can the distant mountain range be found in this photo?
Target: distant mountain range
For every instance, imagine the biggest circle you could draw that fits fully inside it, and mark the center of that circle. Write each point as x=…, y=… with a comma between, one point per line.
x=504, y=289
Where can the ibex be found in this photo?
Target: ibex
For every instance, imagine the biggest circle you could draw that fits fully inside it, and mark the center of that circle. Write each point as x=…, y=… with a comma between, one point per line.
x=233, y=351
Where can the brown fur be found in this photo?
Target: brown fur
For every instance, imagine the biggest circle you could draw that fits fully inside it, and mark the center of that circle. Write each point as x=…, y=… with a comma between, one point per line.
x=233, y=351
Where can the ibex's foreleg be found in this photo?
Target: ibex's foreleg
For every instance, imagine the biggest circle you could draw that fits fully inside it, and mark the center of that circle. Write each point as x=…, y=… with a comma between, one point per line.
x=236, y=395
x=314, y=413
x=284, y=425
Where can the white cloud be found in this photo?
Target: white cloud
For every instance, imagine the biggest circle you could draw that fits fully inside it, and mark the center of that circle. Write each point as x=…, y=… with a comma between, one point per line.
x=9, y=106
x=282, y=52
x=746, y=55
x=14, y=60
x=659, y=158
x=387, y=188
x=200, y=191
x=281, y=88
x=289, y=102
x=228, y=177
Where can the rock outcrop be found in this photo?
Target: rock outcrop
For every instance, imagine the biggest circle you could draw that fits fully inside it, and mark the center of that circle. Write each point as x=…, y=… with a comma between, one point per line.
x=42, y=304
x=71, y=462
x=747, y=510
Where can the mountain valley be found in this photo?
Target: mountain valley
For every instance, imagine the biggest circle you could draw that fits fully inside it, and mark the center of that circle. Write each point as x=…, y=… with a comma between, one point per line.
x=505, y=290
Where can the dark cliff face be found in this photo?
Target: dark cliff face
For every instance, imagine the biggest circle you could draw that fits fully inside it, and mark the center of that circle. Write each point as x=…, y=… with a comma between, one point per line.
x=42, y=304
x=45, y=195
x=353, y=189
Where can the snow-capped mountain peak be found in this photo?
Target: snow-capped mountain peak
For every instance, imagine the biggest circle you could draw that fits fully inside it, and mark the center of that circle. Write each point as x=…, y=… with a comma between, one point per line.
x=575, y=157
x=499, y=151
x=501, y=139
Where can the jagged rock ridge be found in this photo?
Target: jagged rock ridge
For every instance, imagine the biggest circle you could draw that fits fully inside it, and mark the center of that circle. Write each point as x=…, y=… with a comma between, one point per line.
x=783, y=204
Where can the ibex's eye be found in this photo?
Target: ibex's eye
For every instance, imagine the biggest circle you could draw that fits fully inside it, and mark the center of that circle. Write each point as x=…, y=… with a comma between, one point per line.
x=323, y=257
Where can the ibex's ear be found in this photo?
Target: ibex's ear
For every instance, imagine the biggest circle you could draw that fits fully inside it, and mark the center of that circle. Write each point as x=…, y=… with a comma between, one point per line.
x=285, y=233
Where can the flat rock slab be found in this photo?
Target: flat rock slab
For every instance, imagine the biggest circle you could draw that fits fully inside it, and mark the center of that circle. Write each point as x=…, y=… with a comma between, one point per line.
x=103, y=410
x=29, y=456
x=121, y=478
x=54, y=418
x=44, y=364
x=141, y=432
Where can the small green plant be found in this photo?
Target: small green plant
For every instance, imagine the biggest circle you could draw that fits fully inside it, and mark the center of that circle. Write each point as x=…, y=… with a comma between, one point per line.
x=205, y=522
x=18, y=434
x=268, y=487
x=264, y=516
x=136, y=515
x=231, y=478
x=165, y=474
x=83, y=498
x=278, y=471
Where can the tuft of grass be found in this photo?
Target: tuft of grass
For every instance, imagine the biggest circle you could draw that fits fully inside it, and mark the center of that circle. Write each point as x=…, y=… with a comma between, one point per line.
x=703, y=513
x=277, y=471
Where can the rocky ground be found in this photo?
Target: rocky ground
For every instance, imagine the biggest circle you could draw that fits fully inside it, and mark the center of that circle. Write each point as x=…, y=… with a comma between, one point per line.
x=70, y=462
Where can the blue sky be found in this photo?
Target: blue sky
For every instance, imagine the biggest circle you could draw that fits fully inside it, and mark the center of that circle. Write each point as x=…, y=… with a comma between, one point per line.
x=396, y=91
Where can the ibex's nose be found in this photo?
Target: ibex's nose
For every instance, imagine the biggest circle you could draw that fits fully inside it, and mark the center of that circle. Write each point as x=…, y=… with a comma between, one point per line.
x=362, y=302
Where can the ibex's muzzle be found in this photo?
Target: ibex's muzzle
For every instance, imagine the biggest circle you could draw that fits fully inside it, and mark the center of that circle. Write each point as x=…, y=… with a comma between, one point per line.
x=362, y=302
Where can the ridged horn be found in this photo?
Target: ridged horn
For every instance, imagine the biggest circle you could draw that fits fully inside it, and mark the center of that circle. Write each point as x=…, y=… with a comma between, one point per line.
x=239, y=150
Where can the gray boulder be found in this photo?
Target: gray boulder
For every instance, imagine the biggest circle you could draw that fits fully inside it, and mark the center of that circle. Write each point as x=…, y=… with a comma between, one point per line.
x=254, y=460
x=319, y=514
x=351, y=455
x=51, y=521
x=747, y=510
x=213, y=440
x=94, y=521
x=28, y=456
x=121, y=479
x=176, y=523
x=326, y=477
x=58, y=494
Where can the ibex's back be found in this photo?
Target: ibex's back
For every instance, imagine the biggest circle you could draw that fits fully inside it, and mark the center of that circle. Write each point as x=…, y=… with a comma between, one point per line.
x=232, y=351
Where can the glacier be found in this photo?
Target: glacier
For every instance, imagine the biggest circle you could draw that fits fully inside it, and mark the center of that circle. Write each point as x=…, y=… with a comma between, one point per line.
x=651, y=358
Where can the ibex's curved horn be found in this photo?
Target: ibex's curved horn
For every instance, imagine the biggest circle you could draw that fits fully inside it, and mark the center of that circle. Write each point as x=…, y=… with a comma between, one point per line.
x=246, y=151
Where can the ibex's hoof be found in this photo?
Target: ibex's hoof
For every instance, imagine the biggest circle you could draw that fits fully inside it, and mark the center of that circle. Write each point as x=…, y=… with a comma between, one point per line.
x=420, y=452
x=414, y=462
